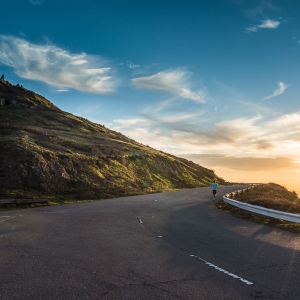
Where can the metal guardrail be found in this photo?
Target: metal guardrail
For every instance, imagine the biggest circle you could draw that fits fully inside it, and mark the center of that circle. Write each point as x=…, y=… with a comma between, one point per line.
x=259, y=209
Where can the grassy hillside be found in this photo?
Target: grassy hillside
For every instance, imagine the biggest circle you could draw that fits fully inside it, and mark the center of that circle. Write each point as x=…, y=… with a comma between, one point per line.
x=45, y=152
x=271, y=196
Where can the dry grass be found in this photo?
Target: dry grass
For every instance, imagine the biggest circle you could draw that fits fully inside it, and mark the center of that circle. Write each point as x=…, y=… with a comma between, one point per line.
x=47, y=152
x=271, y=196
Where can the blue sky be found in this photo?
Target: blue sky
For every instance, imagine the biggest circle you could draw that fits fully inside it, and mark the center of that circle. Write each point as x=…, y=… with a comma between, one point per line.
x=214, y=81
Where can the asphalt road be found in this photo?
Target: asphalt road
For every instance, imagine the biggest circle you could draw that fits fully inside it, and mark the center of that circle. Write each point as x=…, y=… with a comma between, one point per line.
x=174, y=245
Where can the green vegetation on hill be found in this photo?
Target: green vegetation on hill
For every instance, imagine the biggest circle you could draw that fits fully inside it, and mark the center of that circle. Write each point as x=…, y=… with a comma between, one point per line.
x=45, y=152
x=271, y=195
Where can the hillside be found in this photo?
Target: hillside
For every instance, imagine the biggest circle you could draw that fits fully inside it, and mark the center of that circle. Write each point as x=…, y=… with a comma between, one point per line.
x=46, y=152
x=273, y=196
x=270, y=195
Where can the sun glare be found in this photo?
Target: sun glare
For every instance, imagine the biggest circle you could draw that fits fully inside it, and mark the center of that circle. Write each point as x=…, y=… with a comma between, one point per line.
x=288, y=178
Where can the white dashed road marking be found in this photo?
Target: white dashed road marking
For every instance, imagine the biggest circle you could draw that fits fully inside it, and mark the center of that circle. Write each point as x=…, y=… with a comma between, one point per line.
x=222, y=270
x=206, y=262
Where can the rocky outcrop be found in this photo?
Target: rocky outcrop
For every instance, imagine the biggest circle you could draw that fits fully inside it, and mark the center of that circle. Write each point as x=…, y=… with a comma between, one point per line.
x=37, y=171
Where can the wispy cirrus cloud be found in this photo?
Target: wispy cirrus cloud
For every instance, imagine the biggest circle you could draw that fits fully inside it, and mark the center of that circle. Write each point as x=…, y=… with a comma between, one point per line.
x=56, y=66
x=281, y=88
x=172, y=81
x=266, y=24
x=131, y=65
x=254, y=136
x=62, y=90
x=261, y=8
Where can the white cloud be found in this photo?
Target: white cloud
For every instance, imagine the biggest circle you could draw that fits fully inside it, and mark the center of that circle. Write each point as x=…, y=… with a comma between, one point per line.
x=180, y=121
x=172, y=81
x=289, y=125
x=131, y=65
x=271, y=24
x=251, y=29
x=252, y=137
x=266, y=24
x=57, y=67
x=281, y=88
x=128, y=123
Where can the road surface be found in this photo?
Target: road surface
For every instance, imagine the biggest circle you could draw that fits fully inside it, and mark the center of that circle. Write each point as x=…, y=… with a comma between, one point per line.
x=173, y=245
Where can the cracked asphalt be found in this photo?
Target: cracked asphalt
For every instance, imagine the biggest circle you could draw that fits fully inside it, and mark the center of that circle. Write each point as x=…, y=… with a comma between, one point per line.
x=173, y=245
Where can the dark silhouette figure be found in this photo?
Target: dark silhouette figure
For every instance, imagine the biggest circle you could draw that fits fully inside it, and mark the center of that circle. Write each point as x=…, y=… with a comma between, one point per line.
x=2, y=77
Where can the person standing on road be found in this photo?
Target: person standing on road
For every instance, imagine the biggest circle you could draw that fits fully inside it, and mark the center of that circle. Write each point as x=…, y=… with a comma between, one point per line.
x=214, y=187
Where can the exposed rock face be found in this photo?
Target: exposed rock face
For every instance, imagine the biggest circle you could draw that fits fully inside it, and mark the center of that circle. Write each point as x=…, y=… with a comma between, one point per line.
x=34, y=172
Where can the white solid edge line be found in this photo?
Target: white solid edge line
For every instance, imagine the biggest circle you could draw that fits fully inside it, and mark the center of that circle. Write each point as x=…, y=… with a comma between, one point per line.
x=223, y=271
